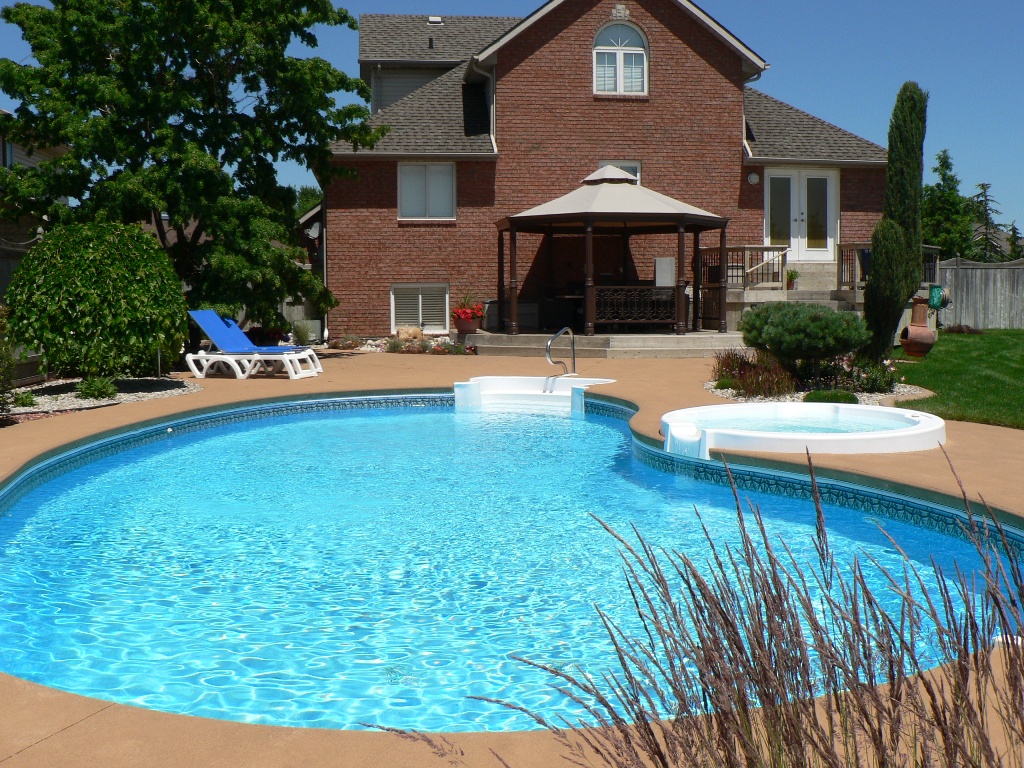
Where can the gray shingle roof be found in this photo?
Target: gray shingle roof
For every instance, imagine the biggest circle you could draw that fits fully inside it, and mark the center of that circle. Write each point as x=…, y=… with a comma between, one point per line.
x=435, y=118
x=406, y=38
x=778, y=131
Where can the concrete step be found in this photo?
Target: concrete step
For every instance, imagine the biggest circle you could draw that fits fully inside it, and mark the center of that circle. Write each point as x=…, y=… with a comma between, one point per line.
x=623, y=346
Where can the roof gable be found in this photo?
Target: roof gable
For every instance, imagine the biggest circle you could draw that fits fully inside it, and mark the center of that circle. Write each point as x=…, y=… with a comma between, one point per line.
x=444, y=117
x=776, y=131
x=753, y=62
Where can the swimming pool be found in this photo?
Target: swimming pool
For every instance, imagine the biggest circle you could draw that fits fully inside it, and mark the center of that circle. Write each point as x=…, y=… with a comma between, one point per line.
x=357, y=562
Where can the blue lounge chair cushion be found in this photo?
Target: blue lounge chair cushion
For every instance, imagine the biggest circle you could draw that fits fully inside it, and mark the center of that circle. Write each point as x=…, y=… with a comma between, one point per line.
x=229, y=338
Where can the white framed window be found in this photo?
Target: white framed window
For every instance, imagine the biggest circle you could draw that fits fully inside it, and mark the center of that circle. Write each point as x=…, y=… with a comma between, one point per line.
x=419, y=305
x=620, y=60
x=6, y=153
x=629, y=166
x=426, y=190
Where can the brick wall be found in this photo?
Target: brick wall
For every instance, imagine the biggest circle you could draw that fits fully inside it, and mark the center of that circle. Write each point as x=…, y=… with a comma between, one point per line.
x=861, y=196
x=552, y=131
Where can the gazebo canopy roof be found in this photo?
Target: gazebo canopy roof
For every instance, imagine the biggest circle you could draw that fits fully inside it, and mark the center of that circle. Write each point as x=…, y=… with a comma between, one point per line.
x=612, y=200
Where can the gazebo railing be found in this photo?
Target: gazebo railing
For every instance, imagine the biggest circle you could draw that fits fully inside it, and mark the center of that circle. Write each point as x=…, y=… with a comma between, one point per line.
x=635, y=304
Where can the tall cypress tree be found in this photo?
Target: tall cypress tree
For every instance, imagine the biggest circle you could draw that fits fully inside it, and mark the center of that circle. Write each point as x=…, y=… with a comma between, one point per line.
x=896, y=244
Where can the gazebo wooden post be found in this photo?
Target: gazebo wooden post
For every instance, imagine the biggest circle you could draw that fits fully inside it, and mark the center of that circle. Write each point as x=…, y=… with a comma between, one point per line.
x=698, y=269
x=723, y=290
x=502, y=298
x=589, y=292
x=513, y=285
x=680, y=282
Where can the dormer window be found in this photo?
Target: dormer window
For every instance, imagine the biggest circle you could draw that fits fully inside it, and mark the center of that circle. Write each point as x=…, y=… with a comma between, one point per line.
x=620, y=60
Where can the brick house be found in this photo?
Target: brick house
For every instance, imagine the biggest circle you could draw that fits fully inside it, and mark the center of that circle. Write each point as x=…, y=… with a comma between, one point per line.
x=490, y=116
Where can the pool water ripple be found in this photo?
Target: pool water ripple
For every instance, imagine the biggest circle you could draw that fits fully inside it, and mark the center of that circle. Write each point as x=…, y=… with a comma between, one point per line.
x=339, y=569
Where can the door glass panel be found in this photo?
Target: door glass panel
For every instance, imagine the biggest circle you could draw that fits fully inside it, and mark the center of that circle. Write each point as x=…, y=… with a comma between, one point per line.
x=817, y=213
x=779, y=210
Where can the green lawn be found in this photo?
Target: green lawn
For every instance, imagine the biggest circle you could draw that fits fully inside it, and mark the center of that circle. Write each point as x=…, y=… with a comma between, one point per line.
x=975, y=378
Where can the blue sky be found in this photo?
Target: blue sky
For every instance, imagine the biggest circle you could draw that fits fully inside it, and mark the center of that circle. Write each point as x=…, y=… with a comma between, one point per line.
x=843, y=62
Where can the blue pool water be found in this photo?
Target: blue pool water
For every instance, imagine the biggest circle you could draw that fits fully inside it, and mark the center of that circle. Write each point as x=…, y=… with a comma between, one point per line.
x=358, y=567
x=818, y=424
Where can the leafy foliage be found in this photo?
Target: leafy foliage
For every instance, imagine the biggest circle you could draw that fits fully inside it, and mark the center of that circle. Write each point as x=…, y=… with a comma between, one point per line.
x=1016, y=243
x=175, y=113
x=97, y=300
x=987, y=239
x=886, y=291
x=96, y=388
x=24, y=400
x=802, y=333
x=896, y=242
x=6, y=365
x=830, y=396
x=905, y=171
x=946, y=215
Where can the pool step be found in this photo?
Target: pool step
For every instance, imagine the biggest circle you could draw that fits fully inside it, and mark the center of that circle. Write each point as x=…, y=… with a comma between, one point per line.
x=653, y=345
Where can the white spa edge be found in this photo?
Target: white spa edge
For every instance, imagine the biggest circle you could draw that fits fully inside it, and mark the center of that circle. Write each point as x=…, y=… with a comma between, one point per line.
x=683, y=436
x=562, y=394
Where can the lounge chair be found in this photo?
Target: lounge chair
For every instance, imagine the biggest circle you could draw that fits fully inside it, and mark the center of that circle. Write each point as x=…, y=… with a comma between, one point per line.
x=234, y=353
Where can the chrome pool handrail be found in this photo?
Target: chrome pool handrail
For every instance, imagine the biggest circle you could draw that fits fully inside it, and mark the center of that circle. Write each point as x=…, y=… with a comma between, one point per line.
x=572, y=346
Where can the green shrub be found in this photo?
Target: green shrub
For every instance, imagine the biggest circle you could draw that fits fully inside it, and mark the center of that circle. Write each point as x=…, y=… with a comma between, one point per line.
x=98, y=300
x=24, y=400
x=725, y=383
x=302, y=333
x=765, y=377
x=96, y=388
x=6, y=365
x=830, y=396
x=802, y=333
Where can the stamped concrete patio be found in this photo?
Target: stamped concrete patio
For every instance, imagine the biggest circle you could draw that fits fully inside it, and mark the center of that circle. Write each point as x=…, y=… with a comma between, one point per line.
x=43, y=727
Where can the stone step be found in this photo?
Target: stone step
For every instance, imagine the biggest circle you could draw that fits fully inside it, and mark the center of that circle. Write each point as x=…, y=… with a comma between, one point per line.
x=623, y=346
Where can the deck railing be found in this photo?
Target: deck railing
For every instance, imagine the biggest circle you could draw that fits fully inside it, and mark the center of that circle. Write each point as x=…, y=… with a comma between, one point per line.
x=748, y=266
x=855, y=264
x=635, y=304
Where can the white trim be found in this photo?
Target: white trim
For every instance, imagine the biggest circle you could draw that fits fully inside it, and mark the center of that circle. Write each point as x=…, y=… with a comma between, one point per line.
x=619, y=52
x=455, y=202
x=446, y=287
x=717, y=29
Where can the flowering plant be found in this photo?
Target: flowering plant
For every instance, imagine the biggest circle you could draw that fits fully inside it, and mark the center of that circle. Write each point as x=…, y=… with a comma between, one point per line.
x=468, y=308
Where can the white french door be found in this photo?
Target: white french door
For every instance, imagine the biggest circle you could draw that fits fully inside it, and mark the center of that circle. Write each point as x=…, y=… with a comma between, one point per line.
x=801, y=210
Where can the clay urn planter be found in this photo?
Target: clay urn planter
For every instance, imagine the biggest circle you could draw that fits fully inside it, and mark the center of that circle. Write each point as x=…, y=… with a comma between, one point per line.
x=917, y=338
x=464, y=325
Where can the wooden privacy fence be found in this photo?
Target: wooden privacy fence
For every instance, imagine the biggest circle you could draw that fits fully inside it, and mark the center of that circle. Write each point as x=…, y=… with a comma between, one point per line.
x=983, y=295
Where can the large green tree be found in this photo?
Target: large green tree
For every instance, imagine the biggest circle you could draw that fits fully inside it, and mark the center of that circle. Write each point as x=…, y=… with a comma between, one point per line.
x=946, y=215
x=987, y=238
x=896, y=243
x=175, y=112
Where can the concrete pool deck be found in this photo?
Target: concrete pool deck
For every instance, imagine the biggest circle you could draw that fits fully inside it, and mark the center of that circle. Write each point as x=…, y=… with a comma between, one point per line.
x=40, y=726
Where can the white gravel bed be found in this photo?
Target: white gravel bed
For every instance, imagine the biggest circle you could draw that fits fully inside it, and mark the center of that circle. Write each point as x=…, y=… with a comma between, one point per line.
x=863, y=398
x=59, y=395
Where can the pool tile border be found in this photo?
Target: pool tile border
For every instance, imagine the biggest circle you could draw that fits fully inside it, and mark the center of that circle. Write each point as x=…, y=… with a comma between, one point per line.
x=942, y=519
x=905, y=509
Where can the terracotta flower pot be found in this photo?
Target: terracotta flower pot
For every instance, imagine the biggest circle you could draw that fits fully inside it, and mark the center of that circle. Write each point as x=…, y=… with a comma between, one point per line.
x=466, y=326
x=917, y=338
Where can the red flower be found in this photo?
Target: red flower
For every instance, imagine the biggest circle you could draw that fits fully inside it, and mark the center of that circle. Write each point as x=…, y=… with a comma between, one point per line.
x=468, y=311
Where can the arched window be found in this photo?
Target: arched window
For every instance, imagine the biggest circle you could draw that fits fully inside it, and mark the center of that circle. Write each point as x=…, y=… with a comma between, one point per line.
x=620, y=60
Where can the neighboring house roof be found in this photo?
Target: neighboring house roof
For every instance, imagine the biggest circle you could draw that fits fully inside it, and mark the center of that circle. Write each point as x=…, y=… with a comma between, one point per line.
x=755, y=63
x=398, y=38
x=777, y=132
x=436, y=119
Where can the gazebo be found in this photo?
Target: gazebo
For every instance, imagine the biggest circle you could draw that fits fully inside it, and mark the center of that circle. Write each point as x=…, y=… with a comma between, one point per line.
x=611, y=201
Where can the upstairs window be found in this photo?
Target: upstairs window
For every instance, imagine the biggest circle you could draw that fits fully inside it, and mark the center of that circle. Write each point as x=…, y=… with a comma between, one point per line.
x=426, y=191
x=620, y=60
x=6, y=153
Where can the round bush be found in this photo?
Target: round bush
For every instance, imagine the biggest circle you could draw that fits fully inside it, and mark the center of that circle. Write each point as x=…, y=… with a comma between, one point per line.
x=98, y=300
x=830, y=396
x=793, y=333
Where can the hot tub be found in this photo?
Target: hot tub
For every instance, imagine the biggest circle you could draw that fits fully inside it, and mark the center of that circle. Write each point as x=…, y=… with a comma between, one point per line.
x=798, y=427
